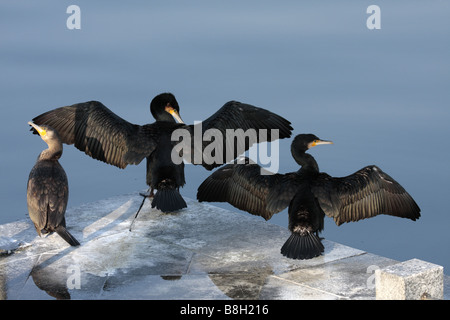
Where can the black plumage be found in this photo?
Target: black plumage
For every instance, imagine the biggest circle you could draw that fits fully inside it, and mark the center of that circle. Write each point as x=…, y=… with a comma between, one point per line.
x=48, y=188
x=310, y=195
x=101, y=134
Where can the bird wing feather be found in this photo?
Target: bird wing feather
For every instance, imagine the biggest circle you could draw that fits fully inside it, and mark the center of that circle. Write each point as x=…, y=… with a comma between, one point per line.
x=363, y=194
x=241, y=185
x=235, y=115
x=101, y=134
x=281, y=194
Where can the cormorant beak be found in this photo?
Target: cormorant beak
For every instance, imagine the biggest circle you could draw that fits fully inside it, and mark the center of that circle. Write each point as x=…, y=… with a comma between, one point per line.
x=42, y=132
x=319, y=142
x=174, y=113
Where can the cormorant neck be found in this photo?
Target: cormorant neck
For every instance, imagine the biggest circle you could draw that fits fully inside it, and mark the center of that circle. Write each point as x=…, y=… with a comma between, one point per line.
x=164, y=116
x=305, y=160
x=54, y=152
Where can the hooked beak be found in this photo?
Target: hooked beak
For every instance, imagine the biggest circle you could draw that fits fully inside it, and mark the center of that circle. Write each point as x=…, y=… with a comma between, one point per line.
x=42, y=132
x=174, y=113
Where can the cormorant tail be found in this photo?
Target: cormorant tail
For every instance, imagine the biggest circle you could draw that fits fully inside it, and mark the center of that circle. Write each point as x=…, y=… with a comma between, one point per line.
x=302, y=247
x=63, y=233
x=168, y=200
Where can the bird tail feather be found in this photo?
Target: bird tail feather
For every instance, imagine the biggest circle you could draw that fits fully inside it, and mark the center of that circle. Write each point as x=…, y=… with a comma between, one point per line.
x=168, y=200
x=63, y=233
x=302, y=247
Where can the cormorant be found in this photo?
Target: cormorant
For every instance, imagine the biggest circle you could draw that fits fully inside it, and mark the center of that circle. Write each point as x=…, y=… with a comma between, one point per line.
x=310, y=195
x=48, y=189
x=104, y=136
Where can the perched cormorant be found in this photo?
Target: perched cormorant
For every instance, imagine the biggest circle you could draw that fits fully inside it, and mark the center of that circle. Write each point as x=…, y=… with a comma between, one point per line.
x=48, y=189
x=104, y=136
x=310, y=195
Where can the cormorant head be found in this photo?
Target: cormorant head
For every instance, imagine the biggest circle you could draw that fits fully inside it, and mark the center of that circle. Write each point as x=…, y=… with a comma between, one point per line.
x=47, y=133
x=300, y=145
x=303, y=142
x=164, y=107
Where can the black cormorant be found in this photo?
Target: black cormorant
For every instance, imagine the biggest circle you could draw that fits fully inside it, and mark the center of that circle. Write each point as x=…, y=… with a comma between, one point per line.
x=48, y=189
x=104, y=136
x=310, y=195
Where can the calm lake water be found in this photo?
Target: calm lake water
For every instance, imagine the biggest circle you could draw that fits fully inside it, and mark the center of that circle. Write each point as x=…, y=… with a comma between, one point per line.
x=381, y=95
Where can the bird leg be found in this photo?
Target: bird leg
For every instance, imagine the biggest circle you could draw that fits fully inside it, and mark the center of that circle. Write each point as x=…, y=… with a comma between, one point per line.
x=144, y=195
x=148, y=194
x=317, y=234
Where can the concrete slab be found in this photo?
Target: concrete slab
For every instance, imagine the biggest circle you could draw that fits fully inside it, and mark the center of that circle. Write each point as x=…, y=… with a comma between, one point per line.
x=410, y=280
x=202, y=252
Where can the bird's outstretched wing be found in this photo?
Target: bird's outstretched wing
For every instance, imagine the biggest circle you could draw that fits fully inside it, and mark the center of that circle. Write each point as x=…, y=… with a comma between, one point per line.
x=241, y=185
x=282, y=193
x=100, y=133
x=363, y=194
x=231, y=131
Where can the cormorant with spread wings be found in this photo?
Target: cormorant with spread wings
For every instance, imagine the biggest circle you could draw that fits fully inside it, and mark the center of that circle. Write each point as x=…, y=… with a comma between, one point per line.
x=310, y=195
x=103, y=135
